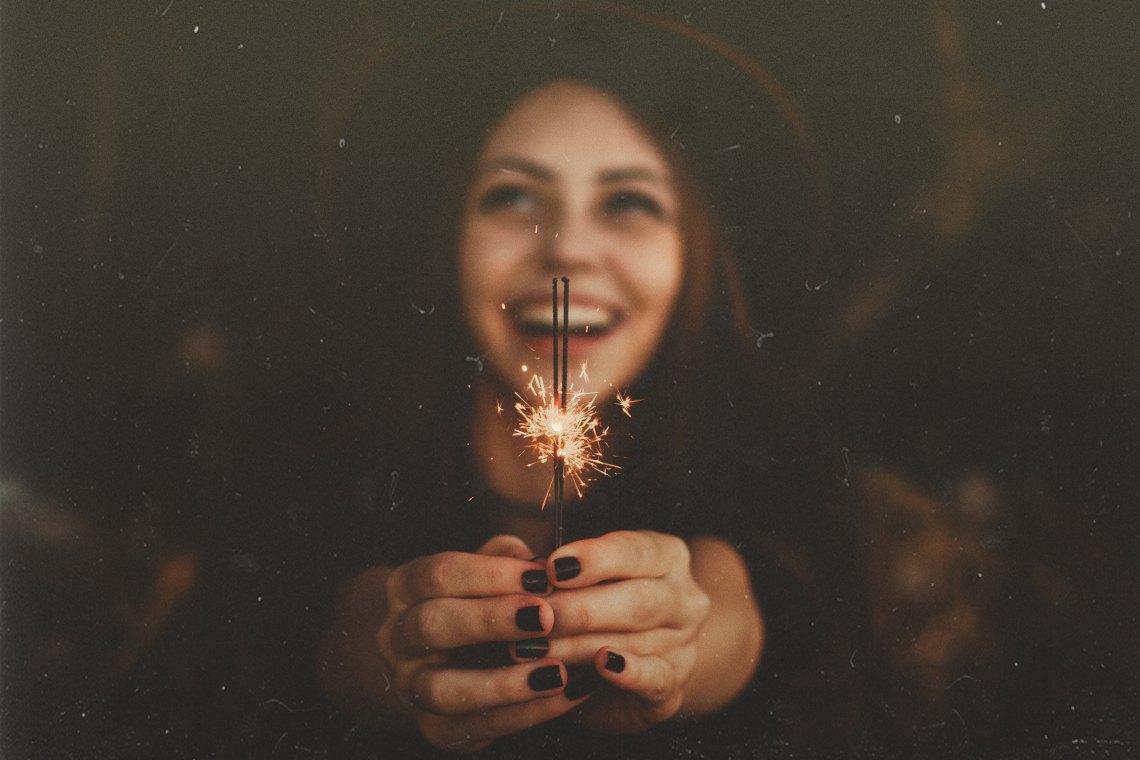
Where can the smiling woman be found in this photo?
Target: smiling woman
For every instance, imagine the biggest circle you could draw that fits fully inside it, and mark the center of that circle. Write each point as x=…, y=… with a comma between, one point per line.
x=651, y=615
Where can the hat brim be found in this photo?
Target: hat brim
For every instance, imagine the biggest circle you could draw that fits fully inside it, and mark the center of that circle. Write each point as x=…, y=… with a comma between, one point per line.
x=739, y=132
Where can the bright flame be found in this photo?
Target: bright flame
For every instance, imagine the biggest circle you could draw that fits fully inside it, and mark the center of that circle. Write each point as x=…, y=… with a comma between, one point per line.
x=571, y=434
x=625, y=402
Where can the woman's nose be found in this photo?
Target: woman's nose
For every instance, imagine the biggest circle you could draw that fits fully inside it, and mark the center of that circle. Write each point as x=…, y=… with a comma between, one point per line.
x=574, y=242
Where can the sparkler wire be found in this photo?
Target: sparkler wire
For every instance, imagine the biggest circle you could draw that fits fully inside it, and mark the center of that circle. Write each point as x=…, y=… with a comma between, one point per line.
x=565, y=384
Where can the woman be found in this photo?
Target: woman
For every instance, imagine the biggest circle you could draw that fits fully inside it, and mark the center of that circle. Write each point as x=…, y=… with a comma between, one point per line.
x=649, y=615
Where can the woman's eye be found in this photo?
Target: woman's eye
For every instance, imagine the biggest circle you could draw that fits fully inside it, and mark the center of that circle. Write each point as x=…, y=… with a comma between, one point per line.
x=505, y=197
x=633, y=203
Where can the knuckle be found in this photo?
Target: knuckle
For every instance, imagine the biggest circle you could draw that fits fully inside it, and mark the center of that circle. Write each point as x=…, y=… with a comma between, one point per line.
x=394, y=586
x=677, y=550
x=701, y=603
x=583, y=616
x=432, y=695
x=571, y=615
x=646, y=604
x=501, y=690
x=421, y=625
x=435, y=574
x=495, y=575
x=503, y=544
x=491, y=616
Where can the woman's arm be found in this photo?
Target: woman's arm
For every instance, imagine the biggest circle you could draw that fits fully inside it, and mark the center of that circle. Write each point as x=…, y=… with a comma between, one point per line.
x=350, y=665
x=731, y=640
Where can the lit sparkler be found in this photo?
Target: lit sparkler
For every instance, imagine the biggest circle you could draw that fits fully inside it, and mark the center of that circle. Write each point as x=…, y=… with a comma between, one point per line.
x=625, y=403
x=570, y=435
x=559, y=427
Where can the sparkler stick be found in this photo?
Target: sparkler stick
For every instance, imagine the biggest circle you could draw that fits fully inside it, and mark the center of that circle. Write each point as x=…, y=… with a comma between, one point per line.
x=559, y=463
x=561, y=443
x=562, y=426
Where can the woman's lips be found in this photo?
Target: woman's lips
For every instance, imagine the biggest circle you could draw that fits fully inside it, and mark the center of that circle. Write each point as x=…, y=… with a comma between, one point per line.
x=584, y=320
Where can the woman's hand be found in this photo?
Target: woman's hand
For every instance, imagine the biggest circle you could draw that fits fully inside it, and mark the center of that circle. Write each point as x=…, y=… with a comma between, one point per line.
x=671, y=627
x=415, y=617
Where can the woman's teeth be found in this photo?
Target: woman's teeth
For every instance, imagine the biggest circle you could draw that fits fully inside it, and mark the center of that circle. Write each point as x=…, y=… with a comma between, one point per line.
x=581, y=320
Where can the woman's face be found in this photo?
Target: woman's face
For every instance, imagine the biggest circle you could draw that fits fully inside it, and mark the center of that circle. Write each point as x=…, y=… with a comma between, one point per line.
x=569, y=184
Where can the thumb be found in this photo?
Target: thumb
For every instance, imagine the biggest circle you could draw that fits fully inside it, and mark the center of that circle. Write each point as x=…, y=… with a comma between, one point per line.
x=505, y=545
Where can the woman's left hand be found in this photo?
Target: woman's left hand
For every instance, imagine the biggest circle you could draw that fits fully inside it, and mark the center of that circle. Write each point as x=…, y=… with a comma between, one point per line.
x=627, y=608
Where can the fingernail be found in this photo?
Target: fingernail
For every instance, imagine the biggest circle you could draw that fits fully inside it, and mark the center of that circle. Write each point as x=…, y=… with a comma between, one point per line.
x=580, y=681
x=566, y=568
x=545, y=678
x=534, y=582
x=531, y=649
x=527, y=619
x=615, y=663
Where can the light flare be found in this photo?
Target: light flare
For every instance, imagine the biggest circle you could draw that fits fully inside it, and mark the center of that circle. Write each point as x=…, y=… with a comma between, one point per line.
x=625, y=403
x=572, y=434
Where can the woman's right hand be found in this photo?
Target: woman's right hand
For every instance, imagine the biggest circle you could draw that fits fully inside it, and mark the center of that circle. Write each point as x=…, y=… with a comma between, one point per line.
x=432, y=606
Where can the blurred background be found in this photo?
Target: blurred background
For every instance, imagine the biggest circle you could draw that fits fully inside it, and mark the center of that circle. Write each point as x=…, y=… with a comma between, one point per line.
x=182, y=330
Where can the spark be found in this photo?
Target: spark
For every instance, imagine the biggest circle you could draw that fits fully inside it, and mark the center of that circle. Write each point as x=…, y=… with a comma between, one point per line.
x=571, y=434
x=625, y=402
x=499, y=407
x=585, y=377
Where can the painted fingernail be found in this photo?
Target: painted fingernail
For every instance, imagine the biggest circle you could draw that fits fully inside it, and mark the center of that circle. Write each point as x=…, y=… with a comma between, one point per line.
x=534, y=582
x=531, y=649
x=615, y=663
x=580, y=681
x=566, y=568
x=527, y=619
x=545, y=678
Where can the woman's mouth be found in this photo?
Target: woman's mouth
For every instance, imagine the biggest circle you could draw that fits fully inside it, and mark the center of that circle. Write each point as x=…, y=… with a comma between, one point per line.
x=584, y=320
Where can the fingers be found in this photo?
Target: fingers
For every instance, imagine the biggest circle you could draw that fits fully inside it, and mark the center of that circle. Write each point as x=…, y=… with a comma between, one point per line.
x=634, y=605
x=439, y=624
x=474, y=730
x=615, y=556
x=506, y=546
x=450, y=691
x=580, y=650
x=462, y=575
x=656, y=681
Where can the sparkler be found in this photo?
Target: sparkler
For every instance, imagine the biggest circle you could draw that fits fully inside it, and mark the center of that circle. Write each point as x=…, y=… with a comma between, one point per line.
x=561, y=427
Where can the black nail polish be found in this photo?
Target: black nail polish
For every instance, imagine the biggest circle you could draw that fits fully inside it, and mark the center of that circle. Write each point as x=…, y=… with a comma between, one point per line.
x=615, y=663
x=545, y=678
x=527, y=619
x=534, y=582
x=566, y=568
x=531, y=649
x=580, y=681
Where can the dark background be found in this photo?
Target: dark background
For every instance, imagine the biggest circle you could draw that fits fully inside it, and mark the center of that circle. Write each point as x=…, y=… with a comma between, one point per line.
x=180, y=328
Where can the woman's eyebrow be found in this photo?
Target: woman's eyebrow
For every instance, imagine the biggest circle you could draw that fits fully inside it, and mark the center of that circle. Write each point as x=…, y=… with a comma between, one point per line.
x=626, y=173
x=517, y=165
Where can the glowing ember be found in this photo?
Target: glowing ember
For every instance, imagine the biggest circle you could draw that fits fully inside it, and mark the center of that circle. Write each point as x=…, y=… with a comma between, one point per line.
x=571, y=434
x=625, y=402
